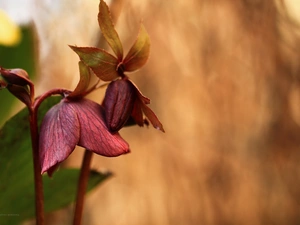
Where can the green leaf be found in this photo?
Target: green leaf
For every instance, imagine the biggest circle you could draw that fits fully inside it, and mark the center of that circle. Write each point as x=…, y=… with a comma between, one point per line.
x=103, y=64
x=139, y=52
x=60, y=190
x=16, y=172
x=108, y=30
x=84, y=81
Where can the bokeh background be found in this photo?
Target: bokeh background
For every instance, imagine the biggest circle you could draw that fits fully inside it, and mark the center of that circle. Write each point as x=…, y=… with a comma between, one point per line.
x=224, y=79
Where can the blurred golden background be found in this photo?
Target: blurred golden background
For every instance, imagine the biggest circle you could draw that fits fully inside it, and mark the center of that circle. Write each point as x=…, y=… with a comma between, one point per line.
x=224, y=79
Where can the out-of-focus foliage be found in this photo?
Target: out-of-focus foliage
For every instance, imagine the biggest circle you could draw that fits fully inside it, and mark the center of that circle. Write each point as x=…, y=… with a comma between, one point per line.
x=22, y=56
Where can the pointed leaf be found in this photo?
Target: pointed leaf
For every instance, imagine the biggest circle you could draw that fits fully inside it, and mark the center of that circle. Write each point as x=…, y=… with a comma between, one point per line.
x=139, y=52
x=84, y=81
x=103, y=64
x=108, y=30
x=95, y=135
x=59, y=134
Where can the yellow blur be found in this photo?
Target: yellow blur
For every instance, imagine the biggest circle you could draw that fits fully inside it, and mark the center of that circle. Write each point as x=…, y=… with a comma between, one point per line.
x=10, y=33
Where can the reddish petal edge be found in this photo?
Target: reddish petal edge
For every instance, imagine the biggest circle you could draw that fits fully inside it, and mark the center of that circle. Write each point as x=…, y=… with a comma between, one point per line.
x=142, y=101
x=152, y=117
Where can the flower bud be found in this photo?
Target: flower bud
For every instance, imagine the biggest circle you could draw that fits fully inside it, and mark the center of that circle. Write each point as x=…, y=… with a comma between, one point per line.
x=15, y=76
x=21, y=93
x=118, y=103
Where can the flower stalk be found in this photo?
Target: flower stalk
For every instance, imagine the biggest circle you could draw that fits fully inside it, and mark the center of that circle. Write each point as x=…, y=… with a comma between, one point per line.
x=38, y=181
x=82, y=186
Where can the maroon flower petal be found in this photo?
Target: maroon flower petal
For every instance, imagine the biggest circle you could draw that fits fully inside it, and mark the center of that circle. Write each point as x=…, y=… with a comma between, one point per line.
x=152, y=117
x=59, y=134
x=141, y=103
x=95, y=135
x=137, y=113
x=142, y=97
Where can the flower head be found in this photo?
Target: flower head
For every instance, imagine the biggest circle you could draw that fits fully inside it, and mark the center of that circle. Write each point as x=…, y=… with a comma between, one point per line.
x=71, y=123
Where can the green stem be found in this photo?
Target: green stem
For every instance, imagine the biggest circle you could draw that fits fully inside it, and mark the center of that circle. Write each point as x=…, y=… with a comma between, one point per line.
x=82, y=185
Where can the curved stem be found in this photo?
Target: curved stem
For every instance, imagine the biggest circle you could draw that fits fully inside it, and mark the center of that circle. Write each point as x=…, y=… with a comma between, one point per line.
x=82, y=185
x=56, y=91
x=34, y=133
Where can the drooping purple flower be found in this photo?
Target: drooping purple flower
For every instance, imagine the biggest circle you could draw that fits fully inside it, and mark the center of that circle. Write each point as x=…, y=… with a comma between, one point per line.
x=71, y=123
x=123, y=100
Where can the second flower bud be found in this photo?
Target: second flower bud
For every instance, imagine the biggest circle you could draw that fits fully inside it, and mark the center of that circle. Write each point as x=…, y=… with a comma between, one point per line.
x=118, y=103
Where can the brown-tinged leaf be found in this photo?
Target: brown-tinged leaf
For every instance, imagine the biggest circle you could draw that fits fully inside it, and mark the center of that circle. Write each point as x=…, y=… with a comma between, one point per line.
x=139, y=52
x=103, y=64
x=59, y=134
x=84, y=81
x=108, y=30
